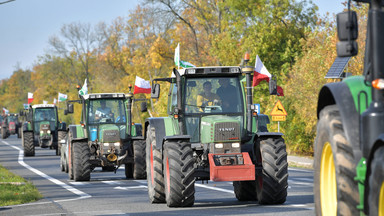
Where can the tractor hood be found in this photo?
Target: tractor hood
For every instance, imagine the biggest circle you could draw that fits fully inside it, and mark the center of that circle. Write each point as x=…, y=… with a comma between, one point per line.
x=109, y=133
x=220, y=128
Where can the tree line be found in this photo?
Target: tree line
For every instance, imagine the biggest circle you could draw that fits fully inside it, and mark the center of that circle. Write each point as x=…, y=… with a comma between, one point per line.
x=294, y=42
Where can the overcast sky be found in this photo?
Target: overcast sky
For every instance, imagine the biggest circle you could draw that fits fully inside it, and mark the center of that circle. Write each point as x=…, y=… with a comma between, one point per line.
x=26, y=25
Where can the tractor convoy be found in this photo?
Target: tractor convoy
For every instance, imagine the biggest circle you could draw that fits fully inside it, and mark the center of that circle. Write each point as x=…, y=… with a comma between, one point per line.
x=213, y=132
x=349, y=146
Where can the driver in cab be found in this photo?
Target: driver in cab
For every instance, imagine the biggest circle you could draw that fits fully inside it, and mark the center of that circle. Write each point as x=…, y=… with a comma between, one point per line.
x=103, y=112
x=207, y=98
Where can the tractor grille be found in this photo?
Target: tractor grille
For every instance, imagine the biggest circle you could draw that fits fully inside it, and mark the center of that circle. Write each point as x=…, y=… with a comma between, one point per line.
x=225, y=131
x=111, y=136
x=44, y=127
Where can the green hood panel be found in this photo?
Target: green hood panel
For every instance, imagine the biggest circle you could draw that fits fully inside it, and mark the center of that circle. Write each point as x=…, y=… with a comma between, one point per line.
x=359, y=90
x=220, y=128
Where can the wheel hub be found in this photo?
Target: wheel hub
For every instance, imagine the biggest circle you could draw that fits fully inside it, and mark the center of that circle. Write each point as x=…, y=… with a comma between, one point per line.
x=328, y=188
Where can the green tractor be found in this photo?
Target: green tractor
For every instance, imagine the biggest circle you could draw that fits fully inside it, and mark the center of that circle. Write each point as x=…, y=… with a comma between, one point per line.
x=106, y=138
x=213, y=132
x=349, y=146
x=42, y=128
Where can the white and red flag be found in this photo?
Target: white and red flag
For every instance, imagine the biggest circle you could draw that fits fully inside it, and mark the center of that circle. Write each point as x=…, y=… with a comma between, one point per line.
x=261, y=73
x=142, y=86
x=30, y=97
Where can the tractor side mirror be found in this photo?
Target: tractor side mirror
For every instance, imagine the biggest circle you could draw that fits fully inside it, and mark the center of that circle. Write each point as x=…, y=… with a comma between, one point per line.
x=155, y=91
x=69, y=109
x=143, y=107
x=347, y=32
x=273, y=86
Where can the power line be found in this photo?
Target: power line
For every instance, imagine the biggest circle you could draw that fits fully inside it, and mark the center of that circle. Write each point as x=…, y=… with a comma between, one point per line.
x=7, y=1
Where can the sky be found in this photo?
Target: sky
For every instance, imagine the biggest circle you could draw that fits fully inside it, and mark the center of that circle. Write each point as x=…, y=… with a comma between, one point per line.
x=27, y=25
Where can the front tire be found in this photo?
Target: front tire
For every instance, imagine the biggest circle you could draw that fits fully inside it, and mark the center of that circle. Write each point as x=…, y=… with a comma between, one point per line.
x=3, y=133
x=245, y=190
x=154, y=162
x=178, y=169
x=81, y=164
x=335, y=191
x=376, y=184
x=29, y=147
x=139, y=166
x=60, y=136
x=272, y=183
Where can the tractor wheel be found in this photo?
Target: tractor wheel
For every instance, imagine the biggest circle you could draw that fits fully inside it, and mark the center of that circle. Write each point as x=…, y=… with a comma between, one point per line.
x=81, y=164
x=245, y=190
x=155, y=176
x=179, y=181
x=139, y=166
x=19, y=131
x=3, y=133
x=60, y=136
x=62, y=162
x=29, y=147
x=376, y=184
x=272, y=183
x=335, y=191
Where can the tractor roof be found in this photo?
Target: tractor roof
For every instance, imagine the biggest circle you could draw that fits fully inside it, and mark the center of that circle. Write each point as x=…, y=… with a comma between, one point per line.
x=43, y=106
x=211, y=70
x=104, y=96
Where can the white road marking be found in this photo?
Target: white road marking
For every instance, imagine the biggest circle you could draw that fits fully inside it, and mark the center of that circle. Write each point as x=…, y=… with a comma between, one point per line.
x=130, y=187
x=112, y=182
x=214, y=188
x=78, y=183
x=300, y=183
x=55, y=181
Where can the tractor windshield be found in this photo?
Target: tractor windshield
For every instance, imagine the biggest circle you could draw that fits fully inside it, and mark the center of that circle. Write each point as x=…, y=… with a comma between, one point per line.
x=106, y=111
x=12, y=118
x=213, y=95
x=44, y=115
x=210, y=96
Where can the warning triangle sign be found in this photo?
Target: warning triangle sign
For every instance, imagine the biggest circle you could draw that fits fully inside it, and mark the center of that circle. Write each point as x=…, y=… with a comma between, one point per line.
x=278, y=109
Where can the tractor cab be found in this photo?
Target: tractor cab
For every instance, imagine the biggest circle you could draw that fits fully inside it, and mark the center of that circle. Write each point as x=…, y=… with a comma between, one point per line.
x=216, y=100
x=105, y=113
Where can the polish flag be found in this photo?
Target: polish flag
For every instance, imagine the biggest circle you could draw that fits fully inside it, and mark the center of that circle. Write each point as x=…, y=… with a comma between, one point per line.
x=261, y=73
x=30, y=97
x=141, y=86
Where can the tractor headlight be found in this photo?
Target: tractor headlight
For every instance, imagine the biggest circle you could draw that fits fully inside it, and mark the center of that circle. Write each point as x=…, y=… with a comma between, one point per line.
x=117, y=144
x=235, y=145
x=49, y=132
x=106, y=144
x=219, y=145
x=41, y=132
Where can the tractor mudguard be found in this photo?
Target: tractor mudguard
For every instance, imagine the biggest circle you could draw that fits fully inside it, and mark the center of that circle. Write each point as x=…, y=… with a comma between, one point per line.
x=340, y=94
x=164, y=126
x=27, y=126
x=269, y=134
x=178, y=137
x=77, y=132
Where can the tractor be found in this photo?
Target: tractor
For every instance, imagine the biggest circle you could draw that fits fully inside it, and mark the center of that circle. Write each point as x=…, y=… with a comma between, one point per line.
x=11, y=125
x=106, y=138
x=42, y=128
x=349, y=145
x=213, y=132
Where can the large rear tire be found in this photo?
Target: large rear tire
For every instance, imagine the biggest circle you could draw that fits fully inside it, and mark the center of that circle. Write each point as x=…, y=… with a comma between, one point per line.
x=29, y=147
x=179, y=181
x=81, y=164
x=19, y=131
x=60, y=136
x=376, y=184
x=245, y=190
x=128, y=170
x=154, y=162
x=139, y=166
x=272, y=183
x=335, y=191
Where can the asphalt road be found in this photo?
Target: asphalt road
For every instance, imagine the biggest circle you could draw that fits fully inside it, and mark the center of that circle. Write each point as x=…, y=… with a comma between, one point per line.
x=111, y=194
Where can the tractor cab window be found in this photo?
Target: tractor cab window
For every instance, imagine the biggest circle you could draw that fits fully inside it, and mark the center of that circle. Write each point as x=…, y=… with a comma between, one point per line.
x=172, y=98
x=12, y=118
x=213, y=95
x=42, y=115
x=106, y=111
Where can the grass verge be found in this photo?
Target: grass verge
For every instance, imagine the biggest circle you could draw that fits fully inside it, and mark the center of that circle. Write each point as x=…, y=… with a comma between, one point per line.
x=15, y=189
